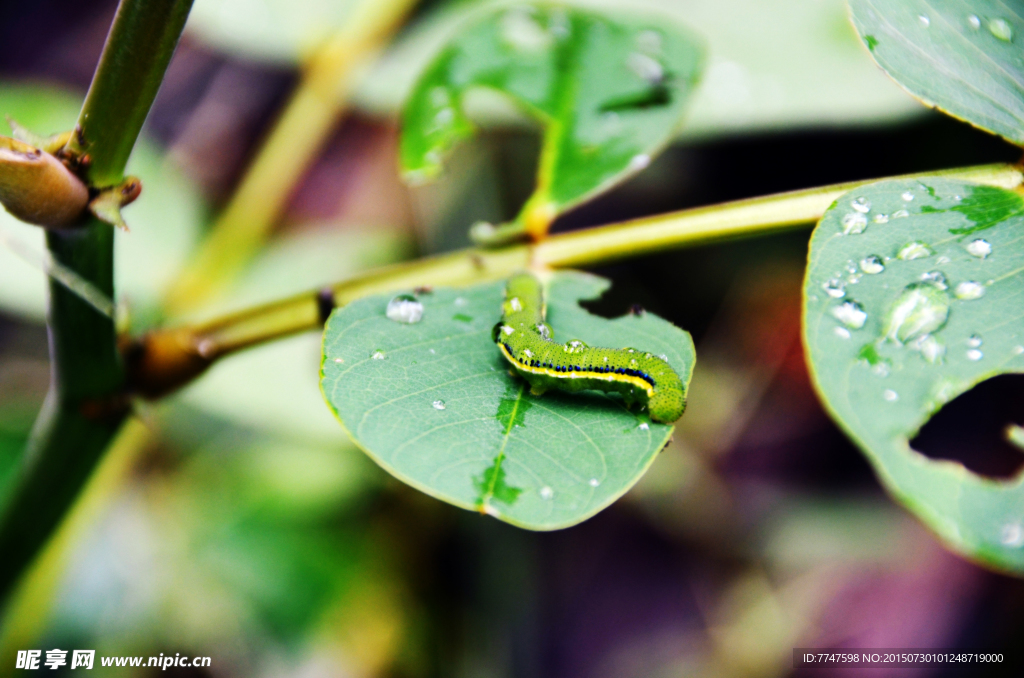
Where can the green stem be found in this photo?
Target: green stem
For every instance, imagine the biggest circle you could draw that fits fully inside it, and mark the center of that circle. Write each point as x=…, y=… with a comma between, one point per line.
x=168, y=359
x=139, y=46
x=86, y=405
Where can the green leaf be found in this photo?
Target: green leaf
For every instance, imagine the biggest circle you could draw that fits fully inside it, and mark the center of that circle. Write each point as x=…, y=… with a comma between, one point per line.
x=164, y=221
x=772, y=65
x=961, y=56
x=914, y=305
x=273, y=387
x=433, y=403
x=609, y=93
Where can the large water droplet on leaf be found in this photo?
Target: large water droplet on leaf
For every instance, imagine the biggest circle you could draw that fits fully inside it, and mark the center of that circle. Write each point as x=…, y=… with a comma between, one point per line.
x=1001, y=29
x=405, y=309
x=921, y=308
x=979, y=248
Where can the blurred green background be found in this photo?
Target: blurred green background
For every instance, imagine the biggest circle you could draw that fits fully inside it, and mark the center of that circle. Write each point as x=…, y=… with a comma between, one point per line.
x=250, y=530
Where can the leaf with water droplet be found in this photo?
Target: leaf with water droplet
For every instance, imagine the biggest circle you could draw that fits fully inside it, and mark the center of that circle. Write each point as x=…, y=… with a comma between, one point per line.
x=923, y=326
x=608, y=96
x=947, y=61
x=461, y=429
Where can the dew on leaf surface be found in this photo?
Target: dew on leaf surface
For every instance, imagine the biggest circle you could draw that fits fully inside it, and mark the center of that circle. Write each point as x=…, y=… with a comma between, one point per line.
x=1001, y=29
x=914, y=250
x=969, y=290
x=854, y=223
x=834, y=289
x=920, y=309
x=438, y=404
x=872, y=264
x=862, y=205
x=890, y=395
x=405, y=309
x=851, y=314
x=979, y=248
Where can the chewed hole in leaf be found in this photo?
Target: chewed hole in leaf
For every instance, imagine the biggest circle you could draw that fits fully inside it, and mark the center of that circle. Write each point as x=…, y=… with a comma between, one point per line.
x=973, y=428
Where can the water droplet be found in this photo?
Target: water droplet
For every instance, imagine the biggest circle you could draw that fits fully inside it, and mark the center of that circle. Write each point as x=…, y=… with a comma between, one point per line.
x=1017, y=350
x=432, y=352
x=907, y=196
x=880, y=369
x=460, y=301
x=974, y=341
x=639, y=162
x=899, y=214
x=914, y=250
x=546, y=492
x=973, y=21
x=943, y=260
x=920, y=309
x=931, y=348
x=890, y=395
x=969, y=290
x=594, y=482
x=925, y=21
x=438, y=404
x=645, y=67
x=851, y=314
x=378, y=355
x=979, y=248
x=935, y=278
x=509, y=331
x=515, y=304
x=339, y=360
x=1012, y=534
x=872, y=265
x=881, y=218
x=544, y=330
x=854, y=223
x=644, y=426
x=975, y=355
x=862, y=205
x=1001, y=29
x=834, y=289
x=405, y=309
x=842, y=332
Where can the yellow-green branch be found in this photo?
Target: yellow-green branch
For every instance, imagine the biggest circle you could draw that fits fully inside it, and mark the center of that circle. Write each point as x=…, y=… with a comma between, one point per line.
x=167, y=359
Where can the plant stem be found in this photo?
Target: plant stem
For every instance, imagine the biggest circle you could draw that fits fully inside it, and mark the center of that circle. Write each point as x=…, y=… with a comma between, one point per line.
x=86, y=404
x=309, y=117
x=167, y=359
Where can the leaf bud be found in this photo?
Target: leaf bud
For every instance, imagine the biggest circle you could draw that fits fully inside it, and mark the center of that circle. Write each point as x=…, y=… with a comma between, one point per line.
x=37, y=188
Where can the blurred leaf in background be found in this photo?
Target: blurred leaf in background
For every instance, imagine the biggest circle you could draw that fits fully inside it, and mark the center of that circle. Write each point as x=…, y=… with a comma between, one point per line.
x=772, y=66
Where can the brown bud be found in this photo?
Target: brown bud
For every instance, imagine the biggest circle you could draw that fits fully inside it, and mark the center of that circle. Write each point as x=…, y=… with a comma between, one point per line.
x=37, y=188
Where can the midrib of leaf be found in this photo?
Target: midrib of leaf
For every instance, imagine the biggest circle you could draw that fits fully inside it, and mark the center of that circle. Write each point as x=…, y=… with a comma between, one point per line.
x=565, y=100
x=485, y=498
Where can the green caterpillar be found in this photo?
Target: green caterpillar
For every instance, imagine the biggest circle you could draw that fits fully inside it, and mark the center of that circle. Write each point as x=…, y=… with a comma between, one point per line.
x=526, y=342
